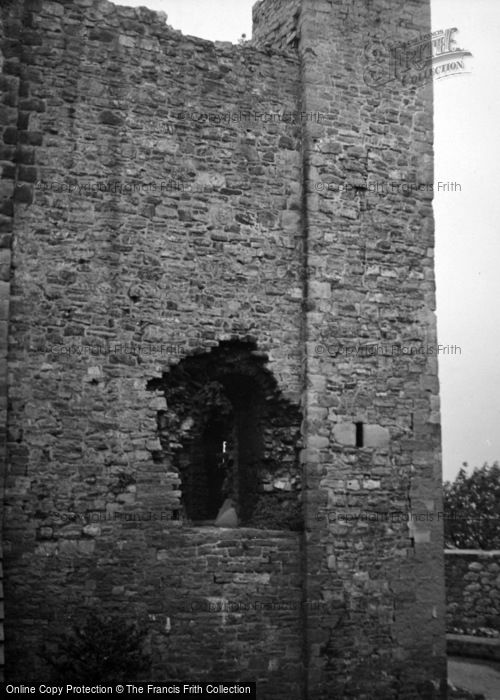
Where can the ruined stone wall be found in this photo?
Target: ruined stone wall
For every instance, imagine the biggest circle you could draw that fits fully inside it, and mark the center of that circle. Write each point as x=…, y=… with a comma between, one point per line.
x=14, y=145
x=7, y=116
x=472, y=590
x=162, y=209
x=276, y=23
x=245, y=621
x=165, y=218
x=372, y=453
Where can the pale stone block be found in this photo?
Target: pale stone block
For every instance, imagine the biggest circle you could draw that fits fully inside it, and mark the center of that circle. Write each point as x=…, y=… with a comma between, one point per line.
x=375, y=436
x=320, y=290
x=345, y=433
x=283, y=484
x=159, y=403
x=263, y=579
x=127, y=41
x=371, y=484
x=290, y=220
x=318, y=441
x=421, y=536
x=91, y=530
x=317, y=382
x=154, y=445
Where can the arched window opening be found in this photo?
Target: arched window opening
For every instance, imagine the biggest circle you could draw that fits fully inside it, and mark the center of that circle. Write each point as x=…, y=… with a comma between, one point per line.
x=233, y=439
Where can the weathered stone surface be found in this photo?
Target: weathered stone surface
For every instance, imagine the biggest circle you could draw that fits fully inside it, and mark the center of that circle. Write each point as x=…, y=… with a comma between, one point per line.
x=359, y=249
x=375, y=436
x=157, y=219
x=345, y=433
x=472, y=585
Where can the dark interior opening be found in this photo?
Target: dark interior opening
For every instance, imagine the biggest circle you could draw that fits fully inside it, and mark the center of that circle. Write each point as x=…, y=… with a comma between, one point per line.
x=359, y=434
x=230, y=434
x=213, y=472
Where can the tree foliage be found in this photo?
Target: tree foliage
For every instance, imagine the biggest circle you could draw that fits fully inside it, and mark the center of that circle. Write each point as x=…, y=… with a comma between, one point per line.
x=472, y=509
x=102, y=649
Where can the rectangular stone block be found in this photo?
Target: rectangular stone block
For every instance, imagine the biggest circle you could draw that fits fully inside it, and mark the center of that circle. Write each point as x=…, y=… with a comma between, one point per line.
x=375, y=436
x=345, y=433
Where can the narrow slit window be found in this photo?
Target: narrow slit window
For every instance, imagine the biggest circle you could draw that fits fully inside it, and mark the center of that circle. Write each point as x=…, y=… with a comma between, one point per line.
x=359, y=434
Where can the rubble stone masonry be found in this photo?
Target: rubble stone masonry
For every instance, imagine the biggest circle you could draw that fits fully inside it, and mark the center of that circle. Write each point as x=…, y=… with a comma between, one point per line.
x=166, y=201
x=473, y=591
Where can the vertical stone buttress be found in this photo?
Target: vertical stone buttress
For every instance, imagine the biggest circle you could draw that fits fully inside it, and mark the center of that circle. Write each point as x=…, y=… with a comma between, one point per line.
x=372, y=458
x=374, y=554
x=17, y=177
x=8, y=124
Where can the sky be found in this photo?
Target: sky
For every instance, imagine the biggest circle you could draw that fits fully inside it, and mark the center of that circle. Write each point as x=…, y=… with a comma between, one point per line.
x=467, y=152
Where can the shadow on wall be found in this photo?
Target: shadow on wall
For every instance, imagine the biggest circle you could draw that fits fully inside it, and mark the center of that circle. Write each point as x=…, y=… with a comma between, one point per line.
x=232, y=437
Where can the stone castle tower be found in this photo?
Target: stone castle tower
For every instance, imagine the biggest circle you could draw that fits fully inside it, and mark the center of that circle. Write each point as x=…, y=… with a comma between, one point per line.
x=217, y=282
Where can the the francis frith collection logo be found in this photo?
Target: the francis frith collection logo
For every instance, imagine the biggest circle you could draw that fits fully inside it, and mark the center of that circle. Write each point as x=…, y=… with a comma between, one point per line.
x=417, y=61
